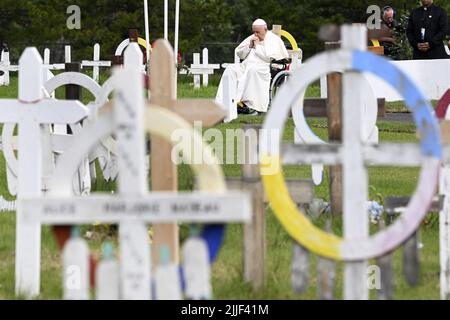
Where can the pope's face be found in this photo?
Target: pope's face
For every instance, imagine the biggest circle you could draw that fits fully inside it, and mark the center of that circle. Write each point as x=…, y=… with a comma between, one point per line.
x=260, y=32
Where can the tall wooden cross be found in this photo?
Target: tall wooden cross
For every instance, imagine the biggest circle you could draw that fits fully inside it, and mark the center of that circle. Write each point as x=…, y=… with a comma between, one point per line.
x=29, y=112
x=164, y=93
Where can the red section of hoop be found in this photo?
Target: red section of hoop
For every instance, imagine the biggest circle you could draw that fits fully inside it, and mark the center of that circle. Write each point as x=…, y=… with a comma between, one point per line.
x=442, y=106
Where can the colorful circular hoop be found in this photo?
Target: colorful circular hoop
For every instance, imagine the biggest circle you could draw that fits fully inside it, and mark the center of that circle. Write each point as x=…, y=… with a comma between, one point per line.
x=295, y=221
x=291, y=39
x=442, y=106
x=126, y=42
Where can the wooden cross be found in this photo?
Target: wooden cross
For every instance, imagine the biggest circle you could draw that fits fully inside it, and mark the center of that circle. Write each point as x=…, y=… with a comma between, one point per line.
x=133, y=207
x=204, y=68
x=96, y=63
x=163, y=93
x=30, y=111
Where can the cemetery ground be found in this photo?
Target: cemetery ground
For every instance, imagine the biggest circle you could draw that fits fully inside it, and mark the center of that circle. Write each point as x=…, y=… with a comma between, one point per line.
x=227, y=272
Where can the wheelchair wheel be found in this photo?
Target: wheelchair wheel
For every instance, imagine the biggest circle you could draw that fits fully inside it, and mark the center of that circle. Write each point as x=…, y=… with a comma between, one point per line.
x=277, y=82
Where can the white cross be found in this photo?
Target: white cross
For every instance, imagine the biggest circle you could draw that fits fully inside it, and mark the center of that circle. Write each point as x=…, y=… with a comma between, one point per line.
x=29, y=112
x=355, y=155
x=48, y=66
x=96, y=63
x=204, y=68
x=6, y=67
x=133, y=207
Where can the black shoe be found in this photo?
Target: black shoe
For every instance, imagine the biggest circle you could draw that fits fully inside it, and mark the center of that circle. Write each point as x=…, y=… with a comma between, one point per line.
x=242, y=108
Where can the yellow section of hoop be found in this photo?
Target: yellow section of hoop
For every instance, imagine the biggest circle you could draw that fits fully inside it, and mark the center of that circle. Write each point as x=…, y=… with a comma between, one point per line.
x=293, y=220
x=290, y=38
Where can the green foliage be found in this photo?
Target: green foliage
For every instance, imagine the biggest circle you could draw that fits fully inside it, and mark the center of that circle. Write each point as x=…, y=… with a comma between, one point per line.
x=42, y=23
x=402, y=49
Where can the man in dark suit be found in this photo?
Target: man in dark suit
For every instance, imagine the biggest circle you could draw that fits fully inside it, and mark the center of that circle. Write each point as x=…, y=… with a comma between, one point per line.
x=426, y=31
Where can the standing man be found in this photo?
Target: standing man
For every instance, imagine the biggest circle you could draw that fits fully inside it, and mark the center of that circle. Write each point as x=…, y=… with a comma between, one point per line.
x=426, y=31
x=251, y=78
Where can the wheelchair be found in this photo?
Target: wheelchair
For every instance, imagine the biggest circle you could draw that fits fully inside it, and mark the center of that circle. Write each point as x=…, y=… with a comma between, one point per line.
x=279, y=72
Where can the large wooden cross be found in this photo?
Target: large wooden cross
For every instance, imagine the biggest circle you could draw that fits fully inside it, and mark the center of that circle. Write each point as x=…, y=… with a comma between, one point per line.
x=164, y=93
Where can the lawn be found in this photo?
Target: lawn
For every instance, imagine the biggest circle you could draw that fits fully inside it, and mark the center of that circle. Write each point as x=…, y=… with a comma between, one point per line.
x=227, y=271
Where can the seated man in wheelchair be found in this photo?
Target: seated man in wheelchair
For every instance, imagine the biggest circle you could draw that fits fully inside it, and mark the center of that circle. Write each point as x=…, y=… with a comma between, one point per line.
x=251, y=78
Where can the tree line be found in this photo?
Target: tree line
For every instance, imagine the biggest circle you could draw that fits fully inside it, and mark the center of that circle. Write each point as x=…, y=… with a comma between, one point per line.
x=42, y=23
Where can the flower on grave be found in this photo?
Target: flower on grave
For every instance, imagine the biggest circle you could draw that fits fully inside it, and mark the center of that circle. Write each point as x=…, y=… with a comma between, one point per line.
x=375, y=211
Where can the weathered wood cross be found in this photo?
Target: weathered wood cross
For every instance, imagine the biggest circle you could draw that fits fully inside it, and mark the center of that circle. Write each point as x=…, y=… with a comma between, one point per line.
x=164, y=93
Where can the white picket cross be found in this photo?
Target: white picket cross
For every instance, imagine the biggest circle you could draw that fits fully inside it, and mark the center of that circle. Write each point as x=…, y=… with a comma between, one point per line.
x=6, y=67
x=237, y=60
x=29, y=112
x=444, y=232
x=96, y=63
x=76, y=268
x=107, y=282
x=202, y=69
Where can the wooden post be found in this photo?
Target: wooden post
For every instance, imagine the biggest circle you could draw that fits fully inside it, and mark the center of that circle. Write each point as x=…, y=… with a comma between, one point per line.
x=276, y=28
x=385, y=263
x=411, y=261
x=254, y=232
x=334, y=114
x=326, y=272
x=73, y=91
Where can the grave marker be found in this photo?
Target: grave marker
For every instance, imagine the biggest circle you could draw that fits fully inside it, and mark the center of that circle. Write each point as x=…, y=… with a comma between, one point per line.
x=6, y=67
x=96, y=64
x=203, y=69
x=29, y=112
x=135, y=209
x=208, y=113
x=355, y=155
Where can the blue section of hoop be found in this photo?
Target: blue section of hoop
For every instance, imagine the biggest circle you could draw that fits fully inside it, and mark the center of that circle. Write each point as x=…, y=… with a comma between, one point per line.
x=415, y=100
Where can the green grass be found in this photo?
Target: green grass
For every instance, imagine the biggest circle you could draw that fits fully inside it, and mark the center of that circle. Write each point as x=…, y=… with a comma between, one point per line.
x=227, y=271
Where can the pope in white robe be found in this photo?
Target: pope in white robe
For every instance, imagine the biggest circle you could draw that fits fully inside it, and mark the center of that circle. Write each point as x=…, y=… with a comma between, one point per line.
x=249, y=81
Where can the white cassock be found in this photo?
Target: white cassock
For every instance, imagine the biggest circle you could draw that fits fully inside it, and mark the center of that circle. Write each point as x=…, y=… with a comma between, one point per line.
x=249, y=81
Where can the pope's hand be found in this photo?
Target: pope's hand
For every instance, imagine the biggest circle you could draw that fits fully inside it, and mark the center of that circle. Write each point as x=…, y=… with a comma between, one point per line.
x=254, y=41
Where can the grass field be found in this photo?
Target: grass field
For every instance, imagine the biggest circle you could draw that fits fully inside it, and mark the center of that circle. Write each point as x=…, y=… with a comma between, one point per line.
x=227, y=271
